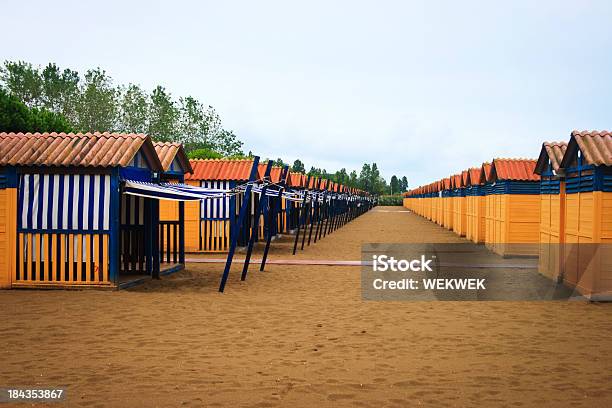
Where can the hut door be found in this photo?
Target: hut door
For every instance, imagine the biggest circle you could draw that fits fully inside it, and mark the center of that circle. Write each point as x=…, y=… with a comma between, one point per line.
x=132, y=234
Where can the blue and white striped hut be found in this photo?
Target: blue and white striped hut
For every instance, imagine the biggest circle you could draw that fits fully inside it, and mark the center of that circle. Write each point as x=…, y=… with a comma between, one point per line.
x=69, y=222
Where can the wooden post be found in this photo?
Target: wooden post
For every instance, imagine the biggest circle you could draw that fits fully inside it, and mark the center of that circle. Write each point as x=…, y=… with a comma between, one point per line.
x=114, y=249
x=262, y=201
x=315, y=208
x=243, y=209
x=301, y=217
x=272, y=216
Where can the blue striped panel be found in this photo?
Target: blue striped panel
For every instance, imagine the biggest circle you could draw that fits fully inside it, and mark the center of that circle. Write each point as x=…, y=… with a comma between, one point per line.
x=62, y=202
x=216, y=208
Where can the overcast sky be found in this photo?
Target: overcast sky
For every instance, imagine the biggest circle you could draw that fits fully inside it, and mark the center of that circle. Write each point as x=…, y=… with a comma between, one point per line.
x=422, y=88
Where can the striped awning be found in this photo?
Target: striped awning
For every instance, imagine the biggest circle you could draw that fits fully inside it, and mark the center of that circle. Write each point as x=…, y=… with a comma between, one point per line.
x=175, y=192
x=185, y=192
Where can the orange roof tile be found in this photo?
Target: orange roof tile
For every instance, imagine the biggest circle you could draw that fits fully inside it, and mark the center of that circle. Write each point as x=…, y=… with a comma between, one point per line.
x=553, y=152
x=455, y=181
x=75, y=149
x=514, y=169
x=296, y=179
x=485, y=173
x=473, y=177
x=275, y=172
x=220, y=169
x=596, y=147
x=464, y=178
x=167, y=152
x=446, y=183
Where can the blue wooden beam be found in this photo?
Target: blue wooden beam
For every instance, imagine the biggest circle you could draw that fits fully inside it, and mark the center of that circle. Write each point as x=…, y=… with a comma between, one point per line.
x=241, y=216
x=273, y=216
x=263, y=199
x=301, y=216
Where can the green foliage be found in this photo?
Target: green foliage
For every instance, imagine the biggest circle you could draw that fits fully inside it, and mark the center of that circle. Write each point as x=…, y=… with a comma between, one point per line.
x=394, y=185
x=204, y=153
x=404, y=184
x=134, y=110
x=298, y=166
x=23, y=81
x=97, y=107
x=93, y=103
x=390, y=199
x=15, y=116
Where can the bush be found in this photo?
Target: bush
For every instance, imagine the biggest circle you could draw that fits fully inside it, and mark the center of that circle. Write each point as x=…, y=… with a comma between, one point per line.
x=395, y=199
x=204, y=153
x=15, y=116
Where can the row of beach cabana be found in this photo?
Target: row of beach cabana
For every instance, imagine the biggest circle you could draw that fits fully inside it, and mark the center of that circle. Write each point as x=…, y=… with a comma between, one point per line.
x=106, y=210
x=558, y=208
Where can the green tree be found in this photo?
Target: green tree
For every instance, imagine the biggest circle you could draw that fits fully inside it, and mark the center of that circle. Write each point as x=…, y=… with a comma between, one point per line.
x=204, y=153
x=404, y=184
x=298, y=166
x=60, y=90
x=23, y=81
x=395, y=185
x=353, y=179
x=97, y=107
x=163, y=118
x=227, y=143
x=15, y=116
x=365, y=177
x=134, y=110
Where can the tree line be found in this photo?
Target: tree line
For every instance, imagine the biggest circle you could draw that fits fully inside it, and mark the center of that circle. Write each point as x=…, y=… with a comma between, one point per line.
x=368, y=179
x=92, y=102
x=54, y=99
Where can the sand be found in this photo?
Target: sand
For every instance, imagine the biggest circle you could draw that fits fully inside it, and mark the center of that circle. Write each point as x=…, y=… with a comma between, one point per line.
x=302, y=336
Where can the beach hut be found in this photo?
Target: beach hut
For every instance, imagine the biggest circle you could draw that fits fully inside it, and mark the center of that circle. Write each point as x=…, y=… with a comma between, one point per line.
x=516, y=207
x=297, y=181
x=587, y=164
x=552, y=209
x=475, y=209
x=66, y=221
x=435, y=190
x=431, y=194
x=447, y=203
x=175, y=164
x=459, y=204
x=486, y=182
x=439, y=203
x=209, y=223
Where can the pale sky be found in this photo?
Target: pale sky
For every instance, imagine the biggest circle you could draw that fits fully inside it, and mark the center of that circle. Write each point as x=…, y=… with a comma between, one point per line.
x=422, y=88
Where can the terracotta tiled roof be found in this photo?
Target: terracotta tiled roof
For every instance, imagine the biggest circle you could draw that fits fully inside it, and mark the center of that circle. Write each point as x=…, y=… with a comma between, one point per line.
x=167, y=152
x=456, y=181
x=70, y=149
x=553, y=151
x=296, y=179
x=485, y=173
x=596, y=147
x=464, y=178
x=221, y=169
x=275, y=172
x=313, y=182
x=514, y=169
x=473, y=177
x=446, y=183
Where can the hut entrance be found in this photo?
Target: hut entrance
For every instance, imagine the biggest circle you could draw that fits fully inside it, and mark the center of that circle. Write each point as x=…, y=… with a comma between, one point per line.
x=135, y=237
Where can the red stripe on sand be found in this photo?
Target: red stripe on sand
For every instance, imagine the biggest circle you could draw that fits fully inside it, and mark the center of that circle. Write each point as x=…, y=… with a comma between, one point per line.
x=278, y=261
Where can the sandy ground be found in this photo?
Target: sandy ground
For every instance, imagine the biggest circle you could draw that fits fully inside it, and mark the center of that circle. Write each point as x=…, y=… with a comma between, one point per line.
x=302, y=336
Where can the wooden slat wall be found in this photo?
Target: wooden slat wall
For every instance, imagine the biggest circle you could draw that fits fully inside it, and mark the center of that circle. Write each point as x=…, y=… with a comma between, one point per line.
x=62, y=259
x=215, y=235
x=8, y=228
